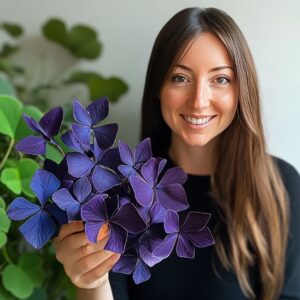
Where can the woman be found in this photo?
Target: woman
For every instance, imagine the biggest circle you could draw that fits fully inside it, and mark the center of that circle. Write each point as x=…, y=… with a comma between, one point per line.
x=201, y=110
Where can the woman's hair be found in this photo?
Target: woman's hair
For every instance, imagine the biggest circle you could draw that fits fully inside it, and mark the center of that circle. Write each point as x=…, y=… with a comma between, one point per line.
x=246, y=184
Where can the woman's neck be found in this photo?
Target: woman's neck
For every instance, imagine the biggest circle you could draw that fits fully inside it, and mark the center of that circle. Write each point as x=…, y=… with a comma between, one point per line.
x=195, y=160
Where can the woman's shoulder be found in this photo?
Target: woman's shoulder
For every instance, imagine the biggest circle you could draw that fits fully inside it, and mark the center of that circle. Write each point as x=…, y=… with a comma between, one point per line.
x=289, y=175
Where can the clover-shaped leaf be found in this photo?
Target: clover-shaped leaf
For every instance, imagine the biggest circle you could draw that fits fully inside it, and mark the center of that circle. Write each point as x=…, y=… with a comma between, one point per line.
x=4, y=226
x=17, y=282
x=18, y=178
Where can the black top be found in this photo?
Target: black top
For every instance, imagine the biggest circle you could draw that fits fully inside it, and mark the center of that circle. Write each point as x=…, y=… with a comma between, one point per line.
x=194, y=279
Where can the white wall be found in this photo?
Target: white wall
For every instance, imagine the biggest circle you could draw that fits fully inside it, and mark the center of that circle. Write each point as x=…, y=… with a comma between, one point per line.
x=128, y=29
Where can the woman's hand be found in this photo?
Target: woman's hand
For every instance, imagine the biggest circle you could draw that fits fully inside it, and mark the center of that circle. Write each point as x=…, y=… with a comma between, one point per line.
x=85, y=263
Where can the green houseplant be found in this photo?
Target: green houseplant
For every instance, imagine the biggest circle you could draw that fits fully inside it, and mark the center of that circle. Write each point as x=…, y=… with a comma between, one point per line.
x=26, y=273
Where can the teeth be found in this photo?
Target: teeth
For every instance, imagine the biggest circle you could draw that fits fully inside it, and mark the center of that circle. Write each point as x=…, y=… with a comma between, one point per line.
x=195, y=121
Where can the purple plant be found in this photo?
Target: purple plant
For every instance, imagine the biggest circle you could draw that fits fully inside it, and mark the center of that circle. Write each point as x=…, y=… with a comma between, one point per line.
x=127, y=191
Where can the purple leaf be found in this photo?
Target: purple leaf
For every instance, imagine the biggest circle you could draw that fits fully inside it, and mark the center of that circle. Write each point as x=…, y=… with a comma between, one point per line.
x=105, y=135
x=33, y=145
x=125, y=264
x=80, y=114
x=128, y=217
x=171, y=223
x=141, y=272
x=143, y=152
x=125, y=153
x=38, y=229
x=21, y=209
x=92, y=230
x=117, y=238
x=71, y=141
x=63, y=198
x=82, y=189
x=79, y=164
x=173, y=175
x=165, y=248
x=82, y=134
x=98, y=110
x=142, y=190
x=195, y=221
x=104, y=179
x=185, y=248
x=172, y=197
x=33, y=125
x=51, y=122
x=201, y=238
x=94, y=210
x=44, y=184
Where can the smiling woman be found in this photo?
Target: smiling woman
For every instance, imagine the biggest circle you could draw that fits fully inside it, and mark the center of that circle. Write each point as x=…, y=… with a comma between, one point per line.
x=201, y=109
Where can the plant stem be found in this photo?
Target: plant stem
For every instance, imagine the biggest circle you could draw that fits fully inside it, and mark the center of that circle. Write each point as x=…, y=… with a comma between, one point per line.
x=6, y=256
x=60, y=149
x=10, y=147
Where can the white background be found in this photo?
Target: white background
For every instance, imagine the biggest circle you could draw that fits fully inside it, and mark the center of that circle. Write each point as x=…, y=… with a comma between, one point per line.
x=128, y=29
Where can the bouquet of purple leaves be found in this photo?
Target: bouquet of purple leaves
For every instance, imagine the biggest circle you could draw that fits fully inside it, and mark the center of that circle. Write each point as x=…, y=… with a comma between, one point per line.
x=127, y=192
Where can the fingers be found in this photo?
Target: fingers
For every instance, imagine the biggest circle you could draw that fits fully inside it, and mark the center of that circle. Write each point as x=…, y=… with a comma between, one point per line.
x=91, y=278
x=91, y=261
x=68, y=229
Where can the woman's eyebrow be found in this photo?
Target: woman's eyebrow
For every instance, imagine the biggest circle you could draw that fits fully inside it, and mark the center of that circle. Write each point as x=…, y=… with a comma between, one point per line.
x=211, y=70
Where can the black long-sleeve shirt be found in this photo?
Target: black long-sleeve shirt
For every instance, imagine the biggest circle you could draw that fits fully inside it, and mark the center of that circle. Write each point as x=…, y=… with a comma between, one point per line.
x=178, y=278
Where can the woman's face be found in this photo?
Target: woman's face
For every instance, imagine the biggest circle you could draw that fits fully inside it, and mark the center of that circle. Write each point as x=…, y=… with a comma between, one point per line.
x=199, y=99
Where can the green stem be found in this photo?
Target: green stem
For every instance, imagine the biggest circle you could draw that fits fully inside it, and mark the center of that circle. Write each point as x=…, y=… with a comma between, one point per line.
x=6, y=256
x=10, y=147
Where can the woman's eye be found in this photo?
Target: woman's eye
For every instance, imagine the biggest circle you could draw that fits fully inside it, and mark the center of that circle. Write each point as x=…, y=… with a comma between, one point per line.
x=222, y=80
x=179, y=79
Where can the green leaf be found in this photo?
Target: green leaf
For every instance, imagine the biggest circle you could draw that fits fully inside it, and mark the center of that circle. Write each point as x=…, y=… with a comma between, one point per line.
x=4, y=295
x=2, y=203
x=27, y=168
x=55, y=30
x=53, y=154
x=12, y=29
x=18, y=179
x=22, y=129
x=83, y=42
x=5, y=87
x=98, y=86
x=3, y=241
x=10, y=178
x=8, y=49
x=31, y=263
x=10, y=114
x=17, y=282
x=39, y=294
x=4, y=221
x=113, y=87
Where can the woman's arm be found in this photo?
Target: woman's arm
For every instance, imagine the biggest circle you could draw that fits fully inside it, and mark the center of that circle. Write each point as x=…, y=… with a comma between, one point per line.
x=103, y=291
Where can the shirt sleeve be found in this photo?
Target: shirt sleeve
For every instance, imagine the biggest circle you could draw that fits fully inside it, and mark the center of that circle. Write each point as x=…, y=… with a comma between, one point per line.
x=291, y=179
x=119, y=286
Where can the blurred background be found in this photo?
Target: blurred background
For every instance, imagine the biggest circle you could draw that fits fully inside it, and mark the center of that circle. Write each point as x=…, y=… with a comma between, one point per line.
x=127, y=29
x=53, y=51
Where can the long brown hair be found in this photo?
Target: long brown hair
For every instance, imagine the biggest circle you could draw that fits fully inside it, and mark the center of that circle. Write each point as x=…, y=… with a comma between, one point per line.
x=246, y=184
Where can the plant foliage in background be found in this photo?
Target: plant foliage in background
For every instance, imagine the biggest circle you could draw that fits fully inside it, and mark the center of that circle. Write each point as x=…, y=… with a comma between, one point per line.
x=80, y=42
x=23, y=274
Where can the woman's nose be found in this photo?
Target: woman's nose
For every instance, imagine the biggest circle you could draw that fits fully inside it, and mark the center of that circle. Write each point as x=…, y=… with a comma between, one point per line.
x=200, y=97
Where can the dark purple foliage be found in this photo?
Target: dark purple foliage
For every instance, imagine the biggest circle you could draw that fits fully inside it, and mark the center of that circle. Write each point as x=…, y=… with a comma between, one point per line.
x=39, y=227
x=125, y=190
x=47, y=128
